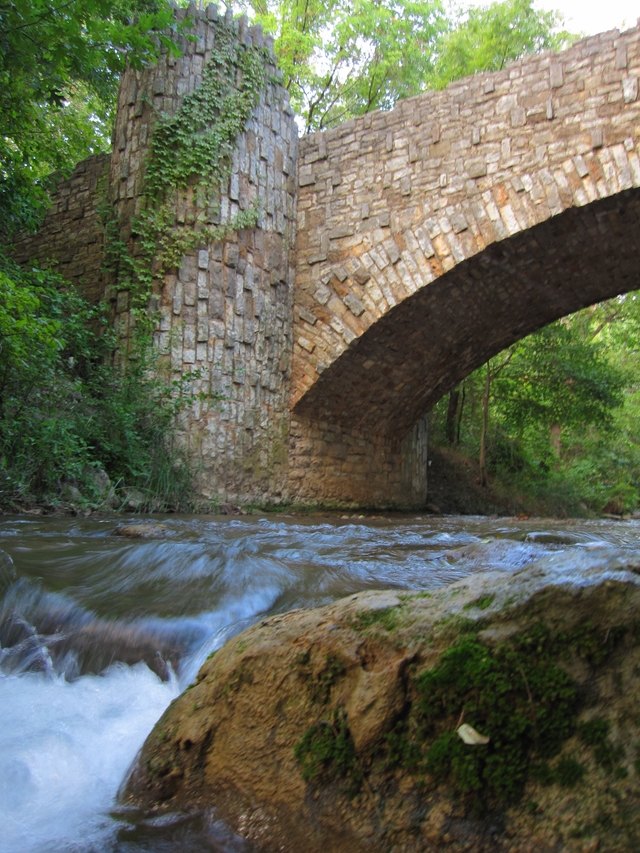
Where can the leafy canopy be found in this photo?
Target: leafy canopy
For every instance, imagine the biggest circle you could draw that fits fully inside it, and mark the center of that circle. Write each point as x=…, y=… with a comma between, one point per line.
x=559, y=375
x=341, y=59
x=59, y=67
x=494, y=35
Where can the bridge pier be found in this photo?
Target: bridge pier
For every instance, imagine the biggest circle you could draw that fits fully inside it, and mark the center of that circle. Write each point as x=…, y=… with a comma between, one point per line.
x=341, y=466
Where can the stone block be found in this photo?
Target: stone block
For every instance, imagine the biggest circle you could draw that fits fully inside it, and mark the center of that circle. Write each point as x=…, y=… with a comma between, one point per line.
x=353, y=304
x=477, y=168
x=458, y=222
x=556, y=75
x=361, y=275
x=307, y=316
x=392, y=250
x=629, y=89
x=518, y=117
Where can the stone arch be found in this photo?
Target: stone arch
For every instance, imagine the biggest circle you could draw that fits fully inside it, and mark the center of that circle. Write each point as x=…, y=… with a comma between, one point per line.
x=424, y=346
x=433, y=236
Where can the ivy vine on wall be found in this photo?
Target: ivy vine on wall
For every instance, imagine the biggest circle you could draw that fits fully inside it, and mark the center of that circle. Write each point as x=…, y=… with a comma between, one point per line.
x=193, y=148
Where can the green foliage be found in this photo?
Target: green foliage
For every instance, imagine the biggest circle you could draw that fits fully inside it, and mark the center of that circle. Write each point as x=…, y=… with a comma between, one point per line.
x=327, y=748
x=59, y=67
x=482, y=603
x=488, y=37
x=342, y=59
x=516, y=694
x=569, y=772
x=558, y=375
x=65, y=412
x=334, y=667
x=594, y=732
x=563, y=413
x=388, y=618
x=194, y=147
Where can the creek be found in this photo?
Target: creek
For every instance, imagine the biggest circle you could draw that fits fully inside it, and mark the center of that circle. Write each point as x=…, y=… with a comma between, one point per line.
x=98, y=633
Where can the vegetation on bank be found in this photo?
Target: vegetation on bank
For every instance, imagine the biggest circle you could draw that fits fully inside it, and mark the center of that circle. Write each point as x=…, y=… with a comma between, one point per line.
x=68, y=415
x=552, y=425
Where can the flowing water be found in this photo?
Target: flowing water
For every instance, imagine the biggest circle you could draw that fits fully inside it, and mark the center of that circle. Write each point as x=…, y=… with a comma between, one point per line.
x=98, y=633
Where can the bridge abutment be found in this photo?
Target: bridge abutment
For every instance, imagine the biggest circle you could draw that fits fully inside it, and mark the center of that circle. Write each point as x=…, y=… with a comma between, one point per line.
x=334, y=465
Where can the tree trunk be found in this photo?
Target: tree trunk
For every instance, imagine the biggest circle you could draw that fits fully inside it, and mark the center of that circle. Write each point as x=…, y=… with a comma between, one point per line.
x=454, y=396
x=555, y=432
x=460, y=411
x=485, y=423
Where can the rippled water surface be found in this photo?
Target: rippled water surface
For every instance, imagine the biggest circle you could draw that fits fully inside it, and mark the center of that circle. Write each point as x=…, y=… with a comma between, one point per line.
x=98, y=633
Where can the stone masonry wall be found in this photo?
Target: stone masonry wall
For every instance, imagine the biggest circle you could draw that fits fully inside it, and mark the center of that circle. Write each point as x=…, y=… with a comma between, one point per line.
x=434, y=235
x=225, y=316
x=71, y=235
x=226, y=313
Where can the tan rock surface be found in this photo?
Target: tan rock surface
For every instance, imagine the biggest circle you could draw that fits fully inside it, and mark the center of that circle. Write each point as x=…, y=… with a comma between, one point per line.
x=352, y=669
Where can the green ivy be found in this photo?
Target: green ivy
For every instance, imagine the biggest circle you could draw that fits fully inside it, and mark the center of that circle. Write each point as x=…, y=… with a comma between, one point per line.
x=193, y=148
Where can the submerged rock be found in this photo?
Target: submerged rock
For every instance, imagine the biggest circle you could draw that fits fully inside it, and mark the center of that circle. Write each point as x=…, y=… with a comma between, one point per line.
x=147, y=530
x=337, y=729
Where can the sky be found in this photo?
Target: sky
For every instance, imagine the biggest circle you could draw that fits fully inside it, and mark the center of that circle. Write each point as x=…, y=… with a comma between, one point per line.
x=595, y=16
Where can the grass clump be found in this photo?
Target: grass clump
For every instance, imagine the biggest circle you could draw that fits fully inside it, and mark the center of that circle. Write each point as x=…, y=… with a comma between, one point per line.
x=481, y=603
x=327, y=748
x=516, y=694
x=387, y=618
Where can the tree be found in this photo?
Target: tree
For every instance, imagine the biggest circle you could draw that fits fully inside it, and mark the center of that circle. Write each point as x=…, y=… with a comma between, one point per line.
x=559, y=377
x=341, y=59
x=59, y=67
x=488, y=37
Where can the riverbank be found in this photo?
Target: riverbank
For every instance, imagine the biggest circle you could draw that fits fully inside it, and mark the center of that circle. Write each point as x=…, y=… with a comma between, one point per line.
x=453, y=489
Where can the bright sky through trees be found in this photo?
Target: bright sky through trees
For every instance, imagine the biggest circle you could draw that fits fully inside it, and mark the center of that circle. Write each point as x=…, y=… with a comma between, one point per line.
x=590, y=17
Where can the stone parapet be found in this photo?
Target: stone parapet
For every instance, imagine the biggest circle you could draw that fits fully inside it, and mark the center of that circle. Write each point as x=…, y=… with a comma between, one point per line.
x=71, y=238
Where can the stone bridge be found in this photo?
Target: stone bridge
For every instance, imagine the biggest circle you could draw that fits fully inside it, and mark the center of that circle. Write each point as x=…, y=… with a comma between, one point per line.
x=435, y=235
x=428, y=239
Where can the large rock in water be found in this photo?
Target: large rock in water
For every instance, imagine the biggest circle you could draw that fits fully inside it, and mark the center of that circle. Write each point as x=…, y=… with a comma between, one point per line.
x=499, y=714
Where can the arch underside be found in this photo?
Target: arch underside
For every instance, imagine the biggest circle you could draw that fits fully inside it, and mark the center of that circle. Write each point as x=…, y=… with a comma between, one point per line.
x=396, y=372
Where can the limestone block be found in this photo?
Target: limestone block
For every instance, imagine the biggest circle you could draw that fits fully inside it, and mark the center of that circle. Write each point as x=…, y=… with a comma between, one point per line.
x=629, y=89
x=556, y=75
x=353, y=304
x=477, y=168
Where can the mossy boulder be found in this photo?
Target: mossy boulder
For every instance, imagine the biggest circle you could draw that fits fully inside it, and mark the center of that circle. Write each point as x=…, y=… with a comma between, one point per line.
x=501, y=713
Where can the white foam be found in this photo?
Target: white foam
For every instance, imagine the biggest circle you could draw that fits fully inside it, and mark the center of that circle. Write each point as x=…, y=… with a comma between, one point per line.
x=64, y=750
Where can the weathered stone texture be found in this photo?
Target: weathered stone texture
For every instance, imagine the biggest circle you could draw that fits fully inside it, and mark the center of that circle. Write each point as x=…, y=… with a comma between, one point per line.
x=71, y=235
x=226, y=313
x=432, y=236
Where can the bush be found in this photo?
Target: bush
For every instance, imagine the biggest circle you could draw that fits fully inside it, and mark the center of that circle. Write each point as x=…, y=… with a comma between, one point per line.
x=66, y=410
